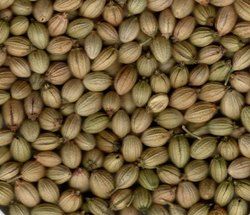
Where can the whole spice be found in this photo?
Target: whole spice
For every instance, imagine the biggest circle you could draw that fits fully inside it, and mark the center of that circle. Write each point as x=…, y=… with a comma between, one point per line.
x=125, y=107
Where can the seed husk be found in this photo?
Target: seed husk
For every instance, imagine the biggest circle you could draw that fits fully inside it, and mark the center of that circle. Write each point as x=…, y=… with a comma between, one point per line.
x=164, y=194
x=126, y=176
x=155, y=136
x=218, y=169
x=142, y=199
x=179, y=151
x=18, y=46
x=242, y=30
x=95, y=123
x=161, y=49
x=202, y=36
x=148, y=179
x=210, y=54
x=129, y=29
x=18, y=208
x=6, y=4
x=166, y=23
x=248, y=97
x=71, y=154
x=5, y=154
x=59, y=174
x=93, y=159
x=46, y=208
x=57, y=24
x=184, y=28
x=30, y=130
x=148, y=23
x=153, y=157
x=245, y=115
x=221, y=3
x=38, y=35
x=105, y=180
x=70, y=200
x=67, y=109
x=48, y=190
x=113, y=162
x=131, y=148
x=113, y=13
x=232, y=43
x=242, y=8
x=4, y=30
x=203, y=148
x=220, y=70
x=169, y=174
x=179, y=76
x=239, y=168
x=141, y=93
x=237, y=206
x=32, y=171
x=89, y=103
x=218, y=209
x=107, y=141
x=48, y=158
x=221, y=126
x=107, y=33
x=196, y=170
x=104, y=59
x=242, y=188
x=207, y=188
x=6, y=137
x=160, y=82
x=228, y=148
x=176, y=209
x=6, y=193
x=9, y=170
x=97, y=81
x=80, y=179
x=78, y=62
x=183, y=98
x=225, y=20
x=205, y=14
x=50, y=119
x=47, y=141
x=140, y=120
x=158, y=5
x=158, y=102
x=20, y=149
x=240, y=81
x=64, y=5
x=224, y=193
x=200, y=112
x=212, y=92
x=199, y=208
x=120, y=199
x=92, y=8
x=187, y=194
x=182, y=8
x=98, y=205
x=241, y=58
x=243, y=143
x=169, y=118
x=26, y=193
x=136, y=7
x=146, y=64
x=111, y=102
x=184, y=52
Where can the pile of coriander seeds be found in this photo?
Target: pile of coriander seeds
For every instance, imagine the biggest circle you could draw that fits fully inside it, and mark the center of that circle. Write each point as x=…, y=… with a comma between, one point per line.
x=127, y=107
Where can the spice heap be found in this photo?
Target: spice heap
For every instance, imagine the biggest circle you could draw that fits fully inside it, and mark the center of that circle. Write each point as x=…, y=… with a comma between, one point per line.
x=125, y=107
